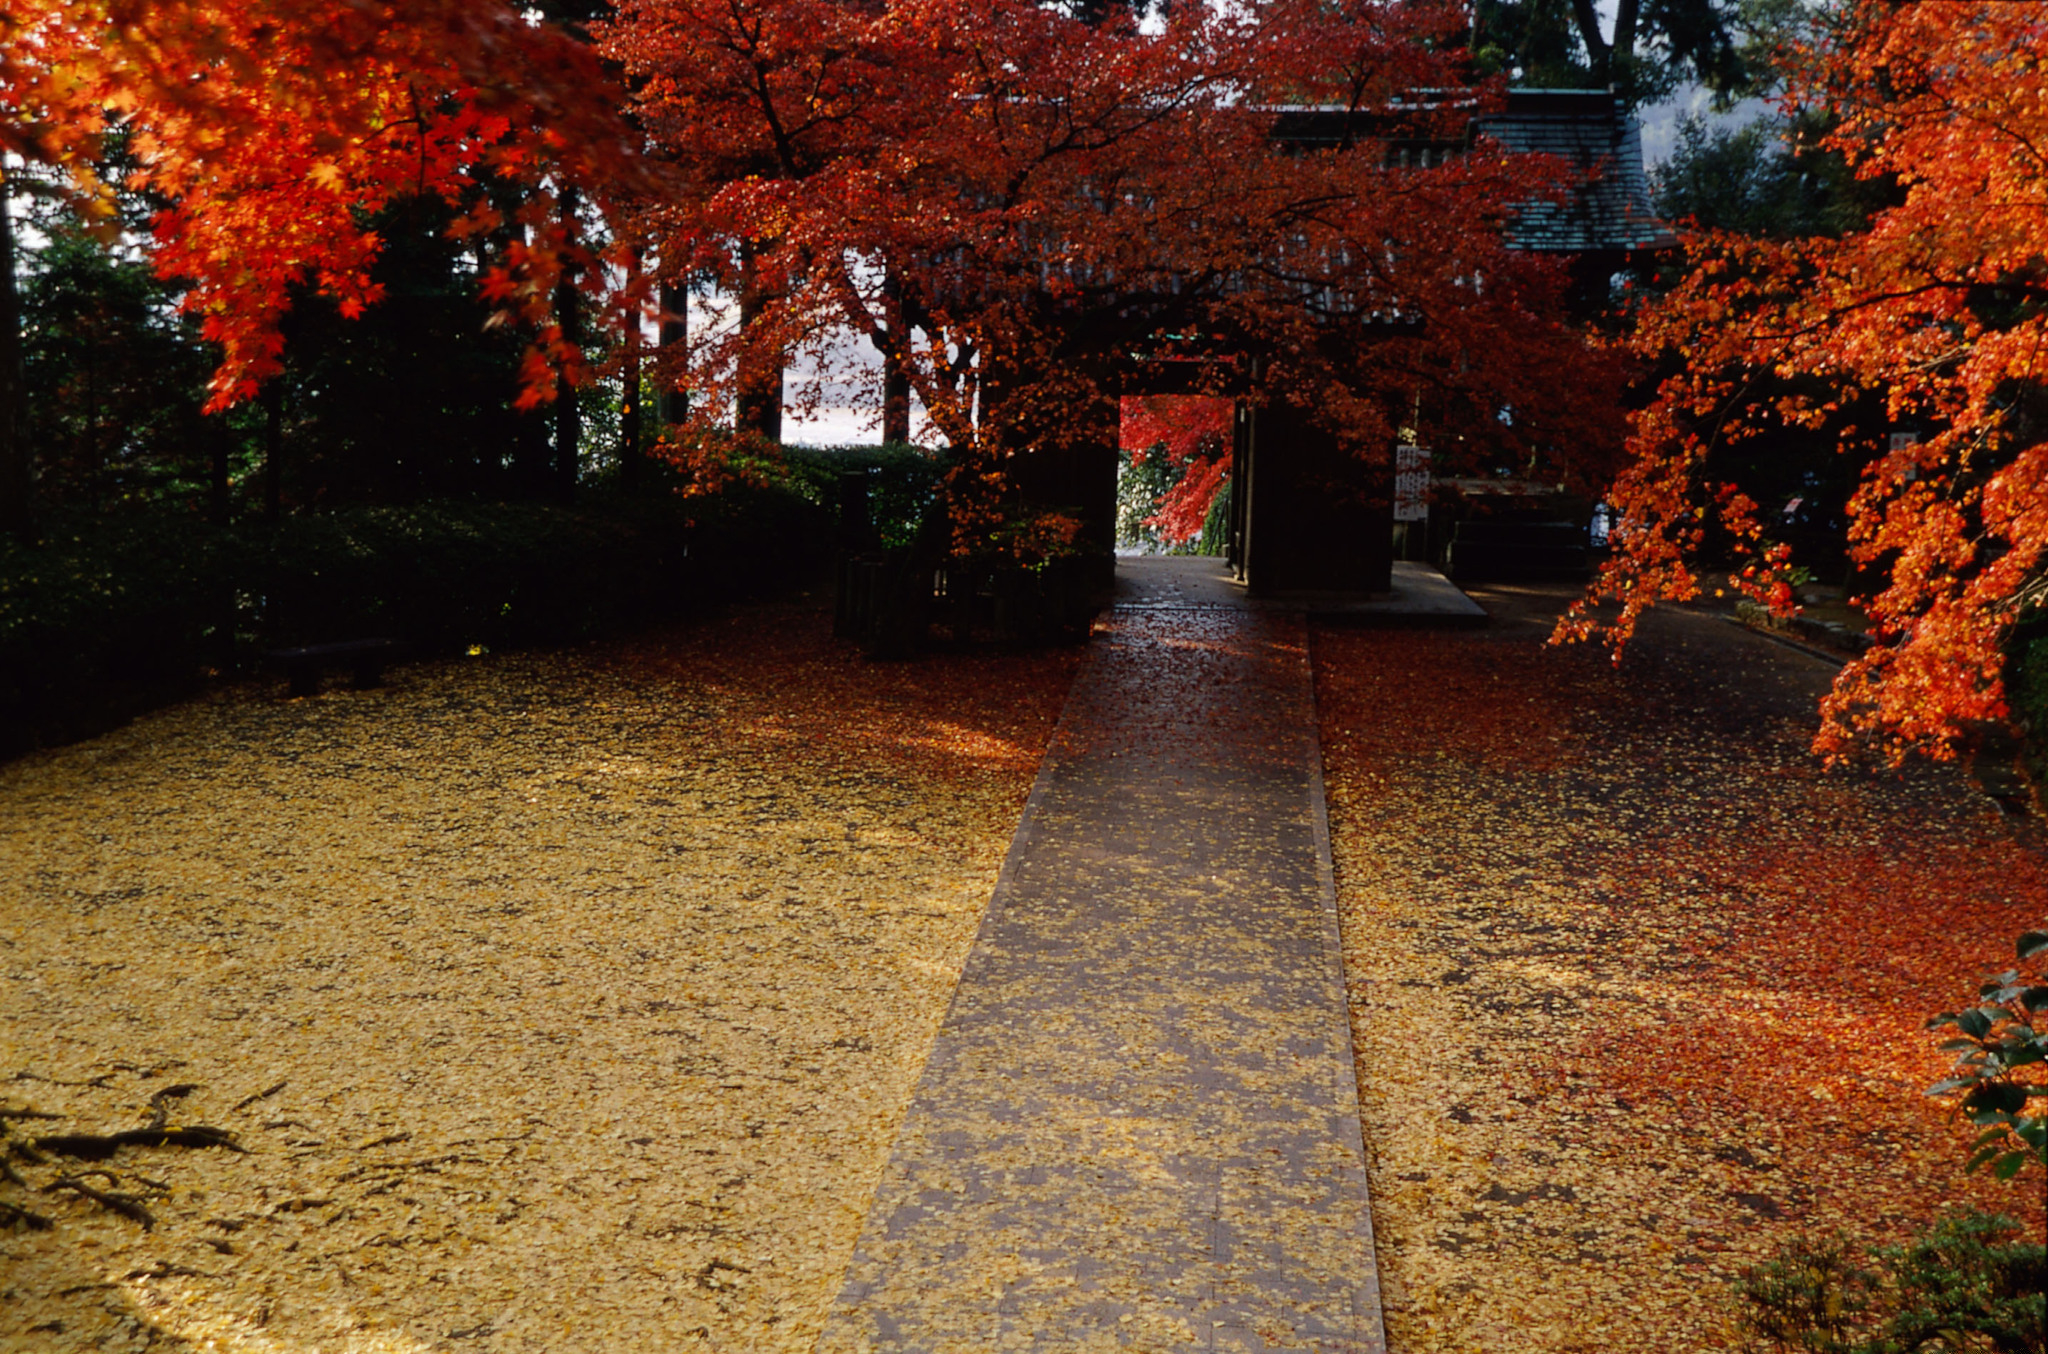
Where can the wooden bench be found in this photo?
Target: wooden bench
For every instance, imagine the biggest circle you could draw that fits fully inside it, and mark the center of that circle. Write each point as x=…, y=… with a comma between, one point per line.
x=364, y=658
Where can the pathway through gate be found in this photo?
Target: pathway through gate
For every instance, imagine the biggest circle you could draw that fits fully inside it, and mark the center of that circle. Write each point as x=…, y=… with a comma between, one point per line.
x=1138, y=1127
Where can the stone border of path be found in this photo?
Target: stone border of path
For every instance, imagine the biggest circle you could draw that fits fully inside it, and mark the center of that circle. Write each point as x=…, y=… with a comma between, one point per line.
x=1371, y=1317
x=1139, y=1126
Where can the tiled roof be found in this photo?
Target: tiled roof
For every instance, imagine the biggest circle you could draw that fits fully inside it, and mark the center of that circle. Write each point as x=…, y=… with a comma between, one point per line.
x=1590, y=129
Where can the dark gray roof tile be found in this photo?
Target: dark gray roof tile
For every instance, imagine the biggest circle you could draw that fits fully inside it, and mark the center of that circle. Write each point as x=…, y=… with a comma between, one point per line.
x=1610, y=208
x=1589, y=129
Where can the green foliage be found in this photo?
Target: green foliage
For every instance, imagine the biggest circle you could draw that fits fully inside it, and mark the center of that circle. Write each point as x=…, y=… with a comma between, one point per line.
x=109, y=615
x=903, y=482
x=1142, y=479
x=1722, y=44
x=412, y=399
x=113, y=375
x=1973, y=1282
x=1767, y=178
x=1531, y=41
x=1995, y=1041
x=444, y=576
x=1814, y=1296
x=409, y=401
x=1215, y=538
x=105, y=618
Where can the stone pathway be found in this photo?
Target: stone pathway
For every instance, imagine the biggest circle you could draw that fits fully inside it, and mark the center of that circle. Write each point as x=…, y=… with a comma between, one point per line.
x=1138, y=1127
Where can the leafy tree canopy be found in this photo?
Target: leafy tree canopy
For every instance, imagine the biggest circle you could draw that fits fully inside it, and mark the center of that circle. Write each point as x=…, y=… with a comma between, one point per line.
x=1647, y=50
x=1938, y=308
x=1769, y=178
x=1009, y=202
x=273, y=129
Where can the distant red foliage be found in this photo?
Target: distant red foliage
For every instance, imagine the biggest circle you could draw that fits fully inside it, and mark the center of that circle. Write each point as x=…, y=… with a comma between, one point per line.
x=1192, y=432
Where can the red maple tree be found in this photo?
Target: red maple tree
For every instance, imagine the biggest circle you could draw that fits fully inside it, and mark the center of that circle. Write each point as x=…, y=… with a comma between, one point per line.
x=1009, y=203
x=1937, y=307
x=274, y=129
x=1193, y=433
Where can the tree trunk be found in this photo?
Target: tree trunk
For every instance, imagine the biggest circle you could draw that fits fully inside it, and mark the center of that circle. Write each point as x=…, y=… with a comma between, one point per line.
x=218, y=446
x=568, y=438
x=568, y=418
x=759, y=407
x=629, y=388
x=1589, y=33
x=895, y=401
x=675, y=345
x=1624, y=45
x=1601, y=54
x=17, y=516
x=895, y=380
x=273, y=448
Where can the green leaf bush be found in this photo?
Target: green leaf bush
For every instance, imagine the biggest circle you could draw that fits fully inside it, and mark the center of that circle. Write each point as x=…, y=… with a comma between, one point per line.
x=1996, y=1040
x=903, y=482
x=1972, y=1282
x=106, y=616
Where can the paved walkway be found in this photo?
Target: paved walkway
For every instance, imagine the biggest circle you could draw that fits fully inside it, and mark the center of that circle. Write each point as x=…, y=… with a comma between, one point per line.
x=1138, y=1127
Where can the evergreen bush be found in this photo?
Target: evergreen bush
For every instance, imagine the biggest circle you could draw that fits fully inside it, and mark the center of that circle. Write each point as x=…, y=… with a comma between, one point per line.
x=1972, y=1282
x=108, y=615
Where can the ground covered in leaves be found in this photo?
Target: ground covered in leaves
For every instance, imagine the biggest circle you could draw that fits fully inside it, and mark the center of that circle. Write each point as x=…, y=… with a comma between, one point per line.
x=1639, y=990
x=555, y=1002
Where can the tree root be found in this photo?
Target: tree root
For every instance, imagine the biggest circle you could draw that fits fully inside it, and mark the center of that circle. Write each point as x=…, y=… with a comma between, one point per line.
x=127, y=1205
x=160, y=1103
x=263, y=1094
x=98, y=1083
x=14, y=1215
x=100, y=1146
x=164, y=1269
x=20, y=1150
x=429, y=1165
x=110, y=1191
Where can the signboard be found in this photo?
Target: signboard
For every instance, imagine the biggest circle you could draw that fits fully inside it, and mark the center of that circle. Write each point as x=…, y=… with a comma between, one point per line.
x=1899, y=442
x=1411, y=484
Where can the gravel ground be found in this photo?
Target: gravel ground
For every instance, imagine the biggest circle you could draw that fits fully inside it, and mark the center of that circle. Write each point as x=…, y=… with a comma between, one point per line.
x=571, y=1001
x=1638, y=989
x=554, y=1002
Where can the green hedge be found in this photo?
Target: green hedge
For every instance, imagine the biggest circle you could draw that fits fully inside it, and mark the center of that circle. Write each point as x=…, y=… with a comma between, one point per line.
x=903, y=482
x=98, y=622
x=108, y=616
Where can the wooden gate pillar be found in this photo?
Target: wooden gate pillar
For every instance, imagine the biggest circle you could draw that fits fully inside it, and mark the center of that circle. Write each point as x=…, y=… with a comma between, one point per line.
x=1317, y=517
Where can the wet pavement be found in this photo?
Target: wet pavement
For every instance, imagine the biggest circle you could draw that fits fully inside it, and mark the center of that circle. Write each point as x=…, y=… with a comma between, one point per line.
x=1419, y=597
x=1138, y=1127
